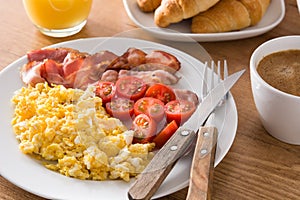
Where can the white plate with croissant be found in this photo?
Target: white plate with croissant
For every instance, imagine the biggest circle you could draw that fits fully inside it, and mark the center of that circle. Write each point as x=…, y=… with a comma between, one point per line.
x=213, y=20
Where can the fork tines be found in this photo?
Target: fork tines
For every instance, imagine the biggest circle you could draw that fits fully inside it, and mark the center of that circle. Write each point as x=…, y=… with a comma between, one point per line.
x=208, y=81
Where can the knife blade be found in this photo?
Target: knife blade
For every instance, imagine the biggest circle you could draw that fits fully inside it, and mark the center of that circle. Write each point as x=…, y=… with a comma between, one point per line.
x=161, y=164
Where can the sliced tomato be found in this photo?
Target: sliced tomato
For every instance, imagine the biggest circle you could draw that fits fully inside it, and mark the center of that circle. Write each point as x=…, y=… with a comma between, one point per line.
x=162, y=137
x=105, y=90
x=131, y=87
x=179, y=110
x=150, y=106
x=120, y=108
x=144, y=129
x=161, y=92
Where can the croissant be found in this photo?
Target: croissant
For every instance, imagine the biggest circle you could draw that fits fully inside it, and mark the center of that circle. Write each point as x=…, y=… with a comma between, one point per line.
x=148, y=5
x=173, y=11
x=229, y=15
x=256, y=9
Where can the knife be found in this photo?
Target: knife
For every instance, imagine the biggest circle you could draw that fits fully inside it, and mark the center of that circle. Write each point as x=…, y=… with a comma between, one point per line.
x=202, y=169
x=161, y=164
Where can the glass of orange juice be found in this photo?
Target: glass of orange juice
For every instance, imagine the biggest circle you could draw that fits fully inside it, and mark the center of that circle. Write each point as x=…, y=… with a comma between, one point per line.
x=58, y=18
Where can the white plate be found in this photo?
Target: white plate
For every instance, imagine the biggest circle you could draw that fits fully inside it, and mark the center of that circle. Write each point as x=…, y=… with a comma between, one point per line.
x=30, y=175
x=272, y=18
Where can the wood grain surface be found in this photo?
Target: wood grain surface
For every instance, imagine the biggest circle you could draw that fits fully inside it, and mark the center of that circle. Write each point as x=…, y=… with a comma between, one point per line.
x=202, y=169
x=257, y=165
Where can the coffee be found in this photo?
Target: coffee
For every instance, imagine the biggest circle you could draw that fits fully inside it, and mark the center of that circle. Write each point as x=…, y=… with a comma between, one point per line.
x=282, y=70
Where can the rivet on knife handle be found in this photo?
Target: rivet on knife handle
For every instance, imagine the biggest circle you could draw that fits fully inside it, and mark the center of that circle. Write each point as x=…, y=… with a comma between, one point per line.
x=157, y=170
x=200, y=186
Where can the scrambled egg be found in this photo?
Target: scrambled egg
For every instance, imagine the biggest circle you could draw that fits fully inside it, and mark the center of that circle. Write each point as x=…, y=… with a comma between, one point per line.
x=70, y=130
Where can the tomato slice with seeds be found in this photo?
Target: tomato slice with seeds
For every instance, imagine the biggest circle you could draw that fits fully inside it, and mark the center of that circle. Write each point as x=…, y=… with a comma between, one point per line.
x=144, y=128
x=161, y=92
x=105, y=90
x=179, y=110
x=120, y=108
x=131, y=87
x=150, y=106
x=162, y=137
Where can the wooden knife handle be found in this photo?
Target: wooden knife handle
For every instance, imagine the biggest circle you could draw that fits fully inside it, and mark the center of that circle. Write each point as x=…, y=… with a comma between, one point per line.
x=201, y=176
x=157, y=170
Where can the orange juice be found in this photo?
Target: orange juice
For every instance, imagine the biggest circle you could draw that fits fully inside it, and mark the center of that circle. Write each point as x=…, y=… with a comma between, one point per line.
x=57, y=14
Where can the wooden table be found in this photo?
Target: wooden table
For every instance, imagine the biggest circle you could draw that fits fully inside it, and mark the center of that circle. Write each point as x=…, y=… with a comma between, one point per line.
x=257, y=166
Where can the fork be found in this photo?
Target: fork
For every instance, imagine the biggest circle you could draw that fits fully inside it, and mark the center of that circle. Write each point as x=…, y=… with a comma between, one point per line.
x=206, y=87
x=201, y=174
x=179, y=144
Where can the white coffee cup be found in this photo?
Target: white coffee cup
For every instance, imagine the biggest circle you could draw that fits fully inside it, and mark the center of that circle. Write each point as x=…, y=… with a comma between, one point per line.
x=279, y=111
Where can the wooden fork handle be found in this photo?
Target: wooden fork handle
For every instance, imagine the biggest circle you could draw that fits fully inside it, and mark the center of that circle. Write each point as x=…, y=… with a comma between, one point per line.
x=200, y=186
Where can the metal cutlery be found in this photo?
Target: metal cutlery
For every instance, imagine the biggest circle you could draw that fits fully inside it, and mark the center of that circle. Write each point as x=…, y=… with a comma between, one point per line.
x=149, y=181
x=202, y=169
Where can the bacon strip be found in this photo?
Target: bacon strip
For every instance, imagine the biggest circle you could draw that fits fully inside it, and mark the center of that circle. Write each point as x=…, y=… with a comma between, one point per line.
x=163, y=58
x=56, y=54
x=65, y=66
x=153, y=67
x=52, y=72
x=136, y=59
x=76, y=69
x=92, y=69
x=131, y=58
x=151, y=77
x=31, y=73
